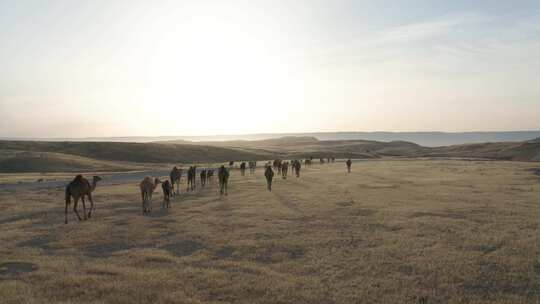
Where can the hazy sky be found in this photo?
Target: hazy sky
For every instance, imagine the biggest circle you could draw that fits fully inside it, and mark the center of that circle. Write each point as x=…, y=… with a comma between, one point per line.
x=113, y=68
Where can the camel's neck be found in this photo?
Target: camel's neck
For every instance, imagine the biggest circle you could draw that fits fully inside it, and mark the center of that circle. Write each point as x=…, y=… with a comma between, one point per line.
x=94, y=185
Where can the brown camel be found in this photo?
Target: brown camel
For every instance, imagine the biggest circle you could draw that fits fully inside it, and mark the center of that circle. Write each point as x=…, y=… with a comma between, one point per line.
x=284, y=169
x=297, y=165
x=204, y=176
x=167, y=188
x=78, y=188
x=269, y=175
x=210, y=176
x=223, y=176
x=192, y=178
x=176, y=175
x=349, y=163
x=243, y=168
x=252, y=167
x=277, y=165
x=147, y=187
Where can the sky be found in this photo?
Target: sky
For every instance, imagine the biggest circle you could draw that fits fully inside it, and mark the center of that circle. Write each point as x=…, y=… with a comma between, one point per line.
x=74, y=68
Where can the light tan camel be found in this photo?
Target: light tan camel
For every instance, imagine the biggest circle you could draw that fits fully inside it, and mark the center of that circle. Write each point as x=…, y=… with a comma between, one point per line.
x=147, y=187
x=77, y=189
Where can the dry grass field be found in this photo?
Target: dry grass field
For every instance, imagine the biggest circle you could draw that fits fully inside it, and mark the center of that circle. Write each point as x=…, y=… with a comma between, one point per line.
x=393, y=231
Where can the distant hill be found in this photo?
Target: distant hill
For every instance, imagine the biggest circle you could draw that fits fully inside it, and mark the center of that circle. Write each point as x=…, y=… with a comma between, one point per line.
x=135, y=152
x=522, y=151
x=427, y=139
x=40, y=156
x=21, y=162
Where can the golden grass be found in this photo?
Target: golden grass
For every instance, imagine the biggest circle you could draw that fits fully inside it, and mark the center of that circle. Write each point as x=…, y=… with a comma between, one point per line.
x=390, y=232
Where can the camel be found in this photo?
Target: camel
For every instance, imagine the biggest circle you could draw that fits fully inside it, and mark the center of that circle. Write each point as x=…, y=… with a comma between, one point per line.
x=307, y=162
x=321, y=160
x=192, y=178
x=252, y=166
x=176, y=175
x=231, y=163
x=78, y=188
x=204, y=176
x=269, y=175
x=243, y=168
x=297, y=166
x=349, y=163
x=277, y=165
x=223, y=175
x=210, y=175
x=167, y=192
x=284, y=169
x=147, y=187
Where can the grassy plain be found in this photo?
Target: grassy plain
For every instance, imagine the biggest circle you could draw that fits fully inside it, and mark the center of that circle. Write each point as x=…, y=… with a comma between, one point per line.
x=393, y=231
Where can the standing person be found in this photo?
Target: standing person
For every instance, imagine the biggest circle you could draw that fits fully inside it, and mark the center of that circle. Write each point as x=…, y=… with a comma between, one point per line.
x=269, y=174
x=349, y=163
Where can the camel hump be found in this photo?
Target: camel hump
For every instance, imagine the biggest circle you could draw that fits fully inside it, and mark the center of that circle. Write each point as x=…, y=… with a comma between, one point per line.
x=78, y=178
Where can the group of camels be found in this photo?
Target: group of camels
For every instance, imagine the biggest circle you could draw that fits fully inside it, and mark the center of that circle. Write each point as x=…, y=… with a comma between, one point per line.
x=80, y=187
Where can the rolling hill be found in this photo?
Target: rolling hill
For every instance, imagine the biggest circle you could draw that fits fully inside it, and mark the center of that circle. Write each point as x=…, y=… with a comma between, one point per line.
x=29, y=156
x=135, y=152
x=426, y=139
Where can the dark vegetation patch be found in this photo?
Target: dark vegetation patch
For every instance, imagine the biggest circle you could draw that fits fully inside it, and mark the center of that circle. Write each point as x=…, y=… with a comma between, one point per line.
x=107, y=249
x=225, y=252
x=278, y=252
x=120, y=223
x=452, y=215
x=41, y=242
x=157, y=260
x=383, y=227
x=345, y=204
x=101, y=272
x=489, y=248
x=406, y=269
x=493, y=279
x=536, y=267
x=16, y=268
x=363, y=212
x=19, y=217
x=184, y=248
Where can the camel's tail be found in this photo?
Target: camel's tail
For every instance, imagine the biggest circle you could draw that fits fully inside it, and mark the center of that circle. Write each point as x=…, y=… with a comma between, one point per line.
x=68, y=196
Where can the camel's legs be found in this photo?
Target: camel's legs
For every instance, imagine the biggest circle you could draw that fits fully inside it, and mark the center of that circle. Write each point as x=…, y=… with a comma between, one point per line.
x=91, y=205
x=143, y=198
x=75, y=203
x=84, y=207
x=66, y=220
